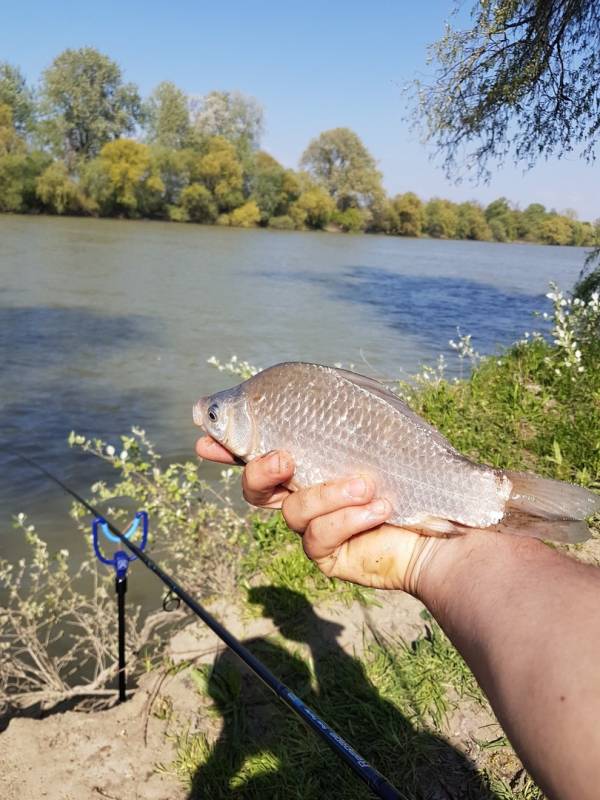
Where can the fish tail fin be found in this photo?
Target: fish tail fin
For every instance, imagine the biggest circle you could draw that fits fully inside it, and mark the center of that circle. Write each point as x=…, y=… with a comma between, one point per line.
x=549, y=499
x=547, y=509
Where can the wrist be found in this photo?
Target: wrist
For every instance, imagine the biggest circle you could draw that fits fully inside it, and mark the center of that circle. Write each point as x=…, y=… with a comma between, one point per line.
x=449, y=569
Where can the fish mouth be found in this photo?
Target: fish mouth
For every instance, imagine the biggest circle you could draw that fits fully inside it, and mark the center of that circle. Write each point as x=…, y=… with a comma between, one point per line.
x=198, y=412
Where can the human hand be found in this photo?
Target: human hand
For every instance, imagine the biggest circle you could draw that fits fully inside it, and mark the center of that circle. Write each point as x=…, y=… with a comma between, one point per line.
x=342, y=526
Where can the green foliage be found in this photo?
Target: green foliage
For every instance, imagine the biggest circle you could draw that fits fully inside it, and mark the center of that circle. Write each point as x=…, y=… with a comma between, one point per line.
x=502, y=220
x=19, y=169
x=556, y=230
x=314, y=208
x=283, y=223
x=441, y=219
x=198, y=204
x=175, y=168
x=352, y=220
x=121, y=180
x=221, y=172
x=272, y=187
x=472, y=223
x=408, y=215
x=513, y=412
x=15, y=94
x=246, y=216
x=167, y=116
x=84, y=103
x=523, y=78
x=339, y=161
x=530, y=221
x=11, y=143
x=274, y=557
x=57, y=191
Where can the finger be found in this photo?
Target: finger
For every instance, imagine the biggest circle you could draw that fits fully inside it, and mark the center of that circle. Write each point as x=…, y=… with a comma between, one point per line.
x=207, y=448
x=263, y=477
x=325, y=534
x=307, y=504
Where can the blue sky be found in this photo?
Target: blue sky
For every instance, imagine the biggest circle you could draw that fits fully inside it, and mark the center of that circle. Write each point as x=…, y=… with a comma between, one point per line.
x=313, y=66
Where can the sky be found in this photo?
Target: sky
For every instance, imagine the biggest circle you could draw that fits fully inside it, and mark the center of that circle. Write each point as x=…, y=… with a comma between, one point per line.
x=312, y=65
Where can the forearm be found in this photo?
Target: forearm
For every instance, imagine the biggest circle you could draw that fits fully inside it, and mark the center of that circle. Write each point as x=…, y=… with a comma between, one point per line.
x=527, y=621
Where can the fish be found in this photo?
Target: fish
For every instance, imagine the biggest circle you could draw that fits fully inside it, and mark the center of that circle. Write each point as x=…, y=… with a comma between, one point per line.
x=337, y=424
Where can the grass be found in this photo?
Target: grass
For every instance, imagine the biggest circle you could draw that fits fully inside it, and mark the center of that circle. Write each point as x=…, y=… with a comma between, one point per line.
x=391, y=701
x=383, y=703
x=274, y=558
x=516, y=412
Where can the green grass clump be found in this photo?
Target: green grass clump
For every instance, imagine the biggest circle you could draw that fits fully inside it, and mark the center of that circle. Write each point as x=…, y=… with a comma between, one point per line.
x=521, y=411
x=275, y=554
x=419, y=674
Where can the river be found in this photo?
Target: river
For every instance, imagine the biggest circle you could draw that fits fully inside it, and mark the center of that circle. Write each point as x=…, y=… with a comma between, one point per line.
x=106, y=324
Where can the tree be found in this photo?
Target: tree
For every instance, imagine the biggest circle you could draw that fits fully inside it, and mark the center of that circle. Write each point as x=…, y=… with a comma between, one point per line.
x=441, y=219
x=167, y=116
x=472, y=223
x=175, y=168
x=352, y=220
x=502, y=220
x=339, y=161
x=313, y=208
x=121, y=180
x=409, y=215
x=232, y=115
x=10, y=141
x=18, y=168
x=530, y=221
x=272, y=187
x=85, y=103
x=15, y=94
x=57, y=191
x=246, y=216
x=556, y=230
x=524, y=79
x=198, y=204
x=221, y=171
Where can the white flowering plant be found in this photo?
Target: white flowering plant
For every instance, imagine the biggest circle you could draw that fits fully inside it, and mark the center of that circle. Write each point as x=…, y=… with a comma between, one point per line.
x=57, y=614
x=575, y=327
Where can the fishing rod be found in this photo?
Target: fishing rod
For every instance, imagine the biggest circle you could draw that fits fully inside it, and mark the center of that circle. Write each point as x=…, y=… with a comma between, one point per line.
x=365, y=771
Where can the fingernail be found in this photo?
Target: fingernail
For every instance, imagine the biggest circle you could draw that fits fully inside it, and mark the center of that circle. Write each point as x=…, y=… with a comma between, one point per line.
x=356, y=487
x=273, y=460
x=378, y=509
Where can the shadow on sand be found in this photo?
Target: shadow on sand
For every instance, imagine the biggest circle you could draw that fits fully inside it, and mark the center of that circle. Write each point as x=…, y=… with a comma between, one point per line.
x=264, y=752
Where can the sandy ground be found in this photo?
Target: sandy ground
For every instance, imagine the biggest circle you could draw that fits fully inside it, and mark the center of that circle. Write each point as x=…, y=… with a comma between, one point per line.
x=114, y=754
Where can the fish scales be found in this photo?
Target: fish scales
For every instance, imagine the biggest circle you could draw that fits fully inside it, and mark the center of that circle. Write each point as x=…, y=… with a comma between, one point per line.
x=334, y=428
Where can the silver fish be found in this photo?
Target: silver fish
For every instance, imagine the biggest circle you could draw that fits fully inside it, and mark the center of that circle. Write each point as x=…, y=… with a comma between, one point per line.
x=335, y=424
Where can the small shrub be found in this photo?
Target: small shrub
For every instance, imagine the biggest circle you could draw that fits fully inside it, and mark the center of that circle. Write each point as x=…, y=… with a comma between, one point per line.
x=283, y=223
x=351, y=221
x=246, y=216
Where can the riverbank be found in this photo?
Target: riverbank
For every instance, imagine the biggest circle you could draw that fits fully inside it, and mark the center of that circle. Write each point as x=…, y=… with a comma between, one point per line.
x=374, y=665
x=559, y=233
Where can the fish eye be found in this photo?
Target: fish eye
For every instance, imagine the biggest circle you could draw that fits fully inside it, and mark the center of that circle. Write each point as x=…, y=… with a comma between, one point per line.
x=212, y=412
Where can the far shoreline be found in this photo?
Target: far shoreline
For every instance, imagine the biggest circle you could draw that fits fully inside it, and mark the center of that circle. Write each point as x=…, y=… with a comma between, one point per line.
x=330, y=229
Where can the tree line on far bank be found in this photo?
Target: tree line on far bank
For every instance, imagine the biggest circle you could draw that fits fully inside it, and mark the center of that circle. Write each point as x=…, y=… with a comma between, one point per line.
x=85, y=143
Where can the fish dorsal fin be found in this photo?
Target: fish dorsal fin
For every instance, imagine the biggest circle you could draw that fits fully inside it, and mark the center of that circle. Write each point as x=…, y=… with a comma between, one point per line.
x=383, y=393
